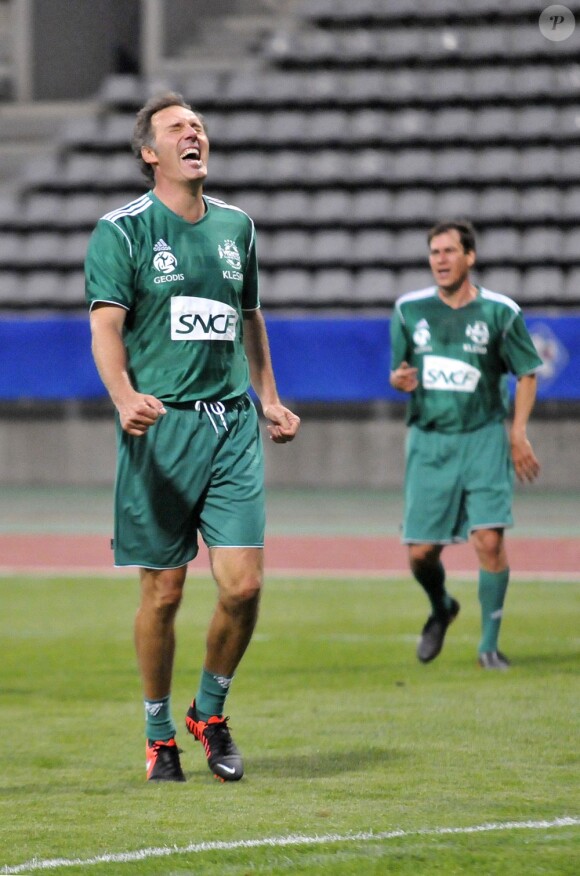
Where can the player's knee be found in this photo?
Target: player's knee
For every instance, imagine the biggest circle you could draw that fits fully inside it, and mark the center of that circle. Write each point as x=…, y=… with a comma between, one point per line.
x=163, y=592
x=423, y=556
x=243, y=591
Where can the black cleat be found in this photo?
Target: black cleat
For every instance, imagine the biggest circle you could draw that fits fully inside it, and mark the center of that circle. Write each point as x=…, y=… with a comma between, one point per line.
x=223, y=758
x=493, y=660
x=162, y=761
x=433, y=634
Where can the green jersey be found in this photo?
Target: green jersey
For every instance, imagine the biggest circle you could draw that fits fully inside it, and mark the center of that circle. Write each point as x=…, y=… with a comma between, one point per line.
x=184, y=286
x=462, y=355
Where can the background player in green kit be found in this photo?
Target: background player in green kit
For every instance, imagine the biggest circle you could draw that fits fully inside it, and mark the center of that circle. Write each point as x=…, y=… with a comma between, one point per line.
x=453, y=345
x=178, y=335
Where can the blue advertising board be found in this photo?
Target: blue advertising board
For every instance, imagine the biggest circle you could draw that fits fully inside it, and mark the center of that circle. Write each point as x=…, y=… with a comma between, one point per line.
x=317, y=359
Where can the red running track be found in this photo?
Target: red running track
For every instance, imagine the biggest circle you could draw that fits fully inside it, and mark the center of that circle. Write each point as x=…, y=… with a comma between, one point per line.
x=294, y=555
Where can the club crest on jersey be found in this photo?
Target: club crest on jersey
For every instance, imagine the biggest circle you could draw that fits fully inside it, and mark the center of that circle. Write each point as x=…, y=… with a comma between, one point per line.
x=229, y=252
x=478, y=334
x=422, y=336
x=165, y=262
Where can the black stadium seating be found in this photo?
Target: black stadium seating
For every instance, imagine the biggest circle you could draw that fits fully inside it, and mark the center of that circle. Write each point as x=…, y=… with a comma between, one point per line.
x=360, y=126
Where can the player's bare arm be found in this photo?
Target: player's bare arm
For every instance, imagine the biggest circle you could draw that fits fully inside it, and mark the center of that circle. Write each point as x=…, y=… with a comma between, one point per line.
x=137, y=411
x=404, y=378
x=525, y=462
x=283, y=423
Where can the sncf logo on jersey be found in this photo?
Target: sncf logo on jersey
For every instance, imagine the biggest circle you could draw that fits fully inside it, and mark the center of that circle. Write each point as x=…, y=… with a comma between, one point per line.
x=201, y=319
x=439, y=372
x=230, y=254
x=165, y=262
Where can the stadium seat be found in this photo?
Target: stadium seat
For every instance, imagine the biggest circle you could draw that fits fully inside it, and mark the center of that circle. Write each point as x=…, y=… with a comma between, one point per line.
x=44, y=209
x=497, y=204
x=490, y=81
x=410, y=247
x=456, y=203
x=571, y=245
x=71, y=289
x=288, y=207
x=122, y=92
x=323, y=127
x=570, y=204
x=538, y=163
x=533, y=81
x=541, y=245
x=542, y=286
x=568, y=124
x=371, y=248
x=74, y=250
x=374, y=286
x=11, y=288
x=288, y=287
x=535, y=122
x=332, y=288
x=331, y=206
x=325, y=167
x=411, y=279
x=540, y=203
x=568, y=168
x=42, y=289
x=499, y=244
x=331, y=248
x=453, y=124
x=493, y=124
x=372, y=206
x=506, y=281
x=82, y=210
x=373, y=126
x=84, y=170
x=416, y=205
x=288, y=247
x=571, y=289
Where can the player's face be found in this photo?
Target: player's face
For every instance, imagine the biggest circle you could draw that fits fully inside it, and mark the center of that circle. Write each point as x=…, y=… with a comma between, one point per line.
x=181, y=147
x=449, y=262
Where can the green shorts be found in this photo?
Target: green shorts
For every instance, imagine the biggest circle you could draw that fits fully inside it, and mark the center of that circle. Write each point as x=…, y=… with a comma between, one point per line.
x=195, y=470
x=455, y=483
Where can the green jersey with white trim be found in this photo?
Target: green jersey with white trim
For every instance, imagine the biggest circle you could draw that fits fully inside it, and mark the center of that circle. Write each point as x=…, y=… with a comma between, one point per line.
x=185, y=286
x=462, y=355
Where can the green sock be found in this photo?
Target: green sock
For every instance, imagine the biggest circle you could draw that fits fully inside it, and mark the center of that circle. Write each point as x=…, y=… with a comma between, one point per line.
x=211, y=695
x=159, y=725
x=492, y=590
x=432, y=580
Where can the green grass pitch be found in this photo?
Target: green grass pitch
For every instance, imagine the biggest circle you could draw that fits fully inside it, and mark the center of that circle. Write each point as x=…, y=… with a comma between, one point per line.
x=368, y=761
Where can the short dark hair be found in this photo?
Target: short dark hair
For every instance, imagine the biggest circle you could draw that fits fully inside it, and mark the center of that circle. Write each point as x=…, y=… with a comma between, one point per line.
x=462, y=226
x=143, y=130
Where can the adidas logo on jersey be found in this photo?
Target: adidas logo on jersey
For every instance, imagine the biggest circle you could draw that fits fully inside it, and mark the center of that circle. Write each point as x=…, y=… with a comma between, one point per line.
x=161, y=246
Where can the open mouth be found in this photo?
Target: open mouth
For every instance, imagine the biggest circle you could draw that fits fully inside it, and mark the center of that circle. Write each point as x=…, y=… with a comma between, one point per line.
x=191, y=156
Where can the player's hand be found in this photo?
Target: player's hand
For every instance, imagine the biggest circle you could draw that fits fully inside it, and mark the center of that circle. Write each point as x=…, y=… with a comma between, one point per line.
x=404, y=378
x=140, y=412
x=283, y=424
x=525, y=462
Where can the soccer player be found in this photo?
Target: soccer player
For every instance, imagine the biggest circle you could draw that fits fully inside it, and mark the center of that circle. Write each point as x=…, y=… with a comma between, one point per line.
x=453, y=345
x=177, y=336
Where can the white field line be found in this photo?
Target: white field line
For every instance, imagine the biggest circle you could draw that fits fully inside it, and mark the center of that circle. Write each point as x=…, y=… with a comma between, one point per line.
x=280, y=842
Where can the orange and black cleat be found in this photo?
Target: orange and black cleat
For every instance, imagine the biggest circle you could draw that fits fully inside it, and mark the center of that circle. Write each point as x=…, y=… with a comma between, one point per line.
x=162, y=762
x=223, y=758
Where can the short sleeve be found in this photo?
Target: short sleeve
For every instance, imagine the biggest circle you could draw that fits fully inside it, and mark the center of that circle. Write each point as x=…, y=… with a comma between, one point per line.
x=109, y=269
x=399, y=352
x=518, y=351
x=250, y=294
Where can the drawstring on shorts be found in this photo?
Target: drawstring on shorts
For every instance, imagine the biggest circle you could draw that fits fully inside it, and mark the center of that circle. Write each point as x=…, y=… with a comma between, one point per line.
x=216, y=408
